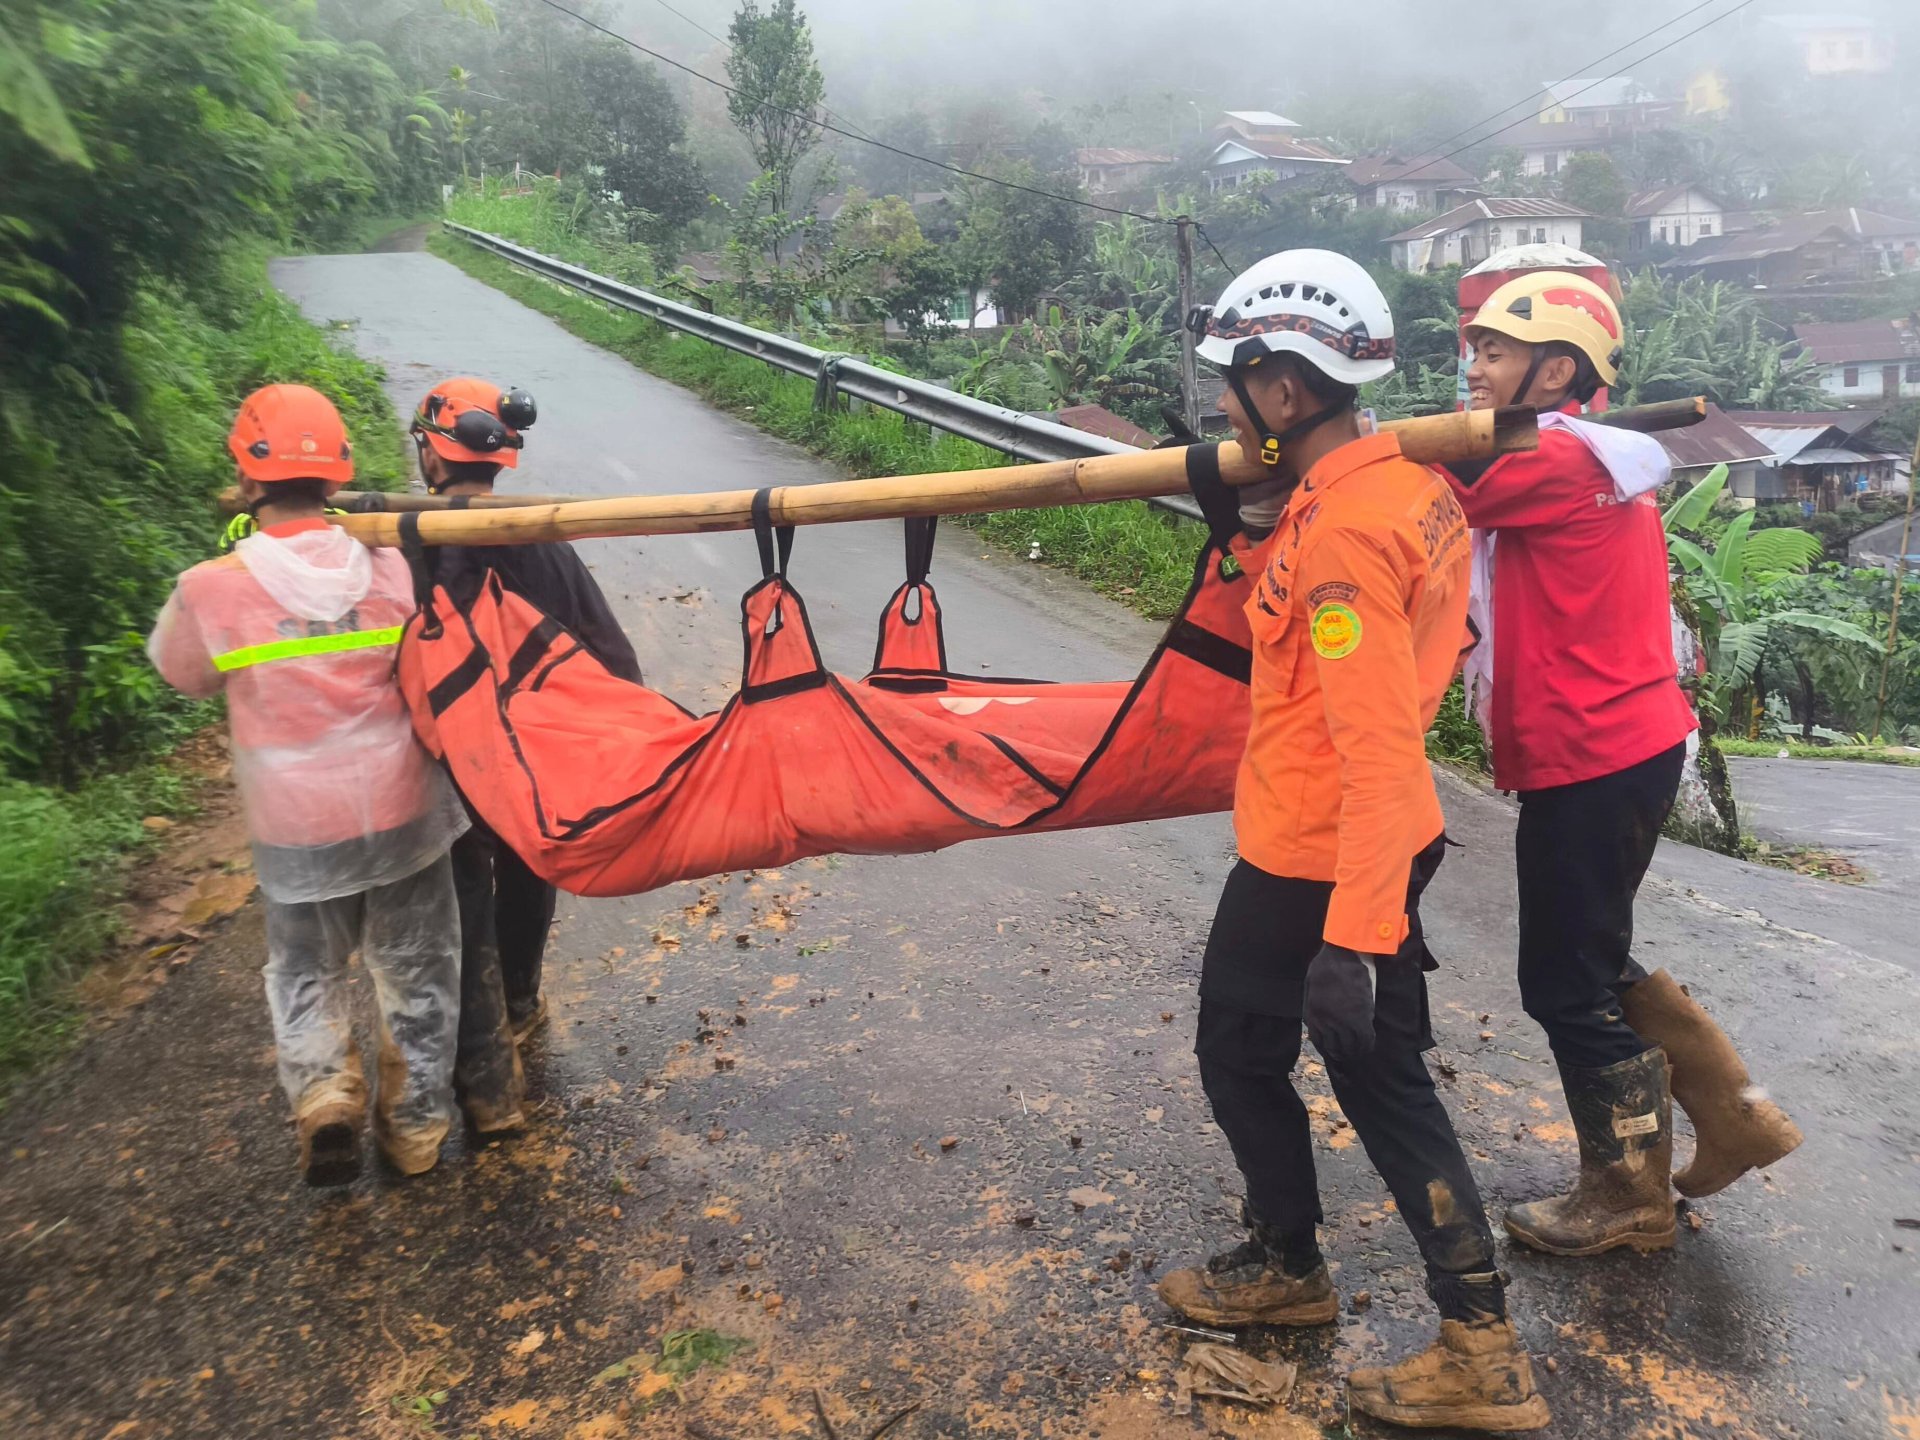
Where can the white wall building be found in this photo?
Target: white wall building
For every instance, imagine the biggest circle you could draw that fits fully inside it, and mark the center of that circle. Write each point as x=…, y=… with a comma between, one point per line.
x=1677, y=215
x=1469, y=233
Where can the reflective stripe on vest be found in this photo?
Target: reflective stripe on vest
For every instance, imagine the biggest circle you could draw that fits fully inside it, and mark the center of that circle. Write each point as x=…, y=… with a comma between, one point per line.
x=307, y=645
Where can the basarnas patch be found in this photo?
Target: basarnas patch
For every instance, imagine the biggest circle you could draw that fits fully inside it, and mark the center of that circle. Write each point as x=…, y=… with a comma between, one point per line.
x=1335, y=630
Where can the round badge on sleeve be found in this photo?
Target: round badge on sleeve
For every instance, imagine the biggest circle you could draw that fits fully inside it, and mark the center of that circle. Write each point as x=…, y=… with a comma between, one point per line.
x=1335, y=630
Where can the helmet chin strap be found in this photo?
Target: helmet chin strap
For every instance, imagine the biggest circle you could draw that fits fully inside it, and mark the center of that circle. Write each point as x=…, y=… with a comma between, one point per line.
x=1273, y=441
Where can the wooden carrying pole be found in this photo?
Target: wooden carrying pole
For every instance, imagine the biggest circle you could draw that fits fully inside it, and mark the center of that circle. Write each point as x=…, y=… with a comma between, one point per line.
x=1139, y=475
x=1665, y=415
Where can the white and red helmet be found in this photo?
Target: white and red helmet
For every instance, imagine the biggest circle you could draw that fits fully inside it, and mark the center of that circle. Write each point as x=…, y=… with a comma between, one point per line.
x=1316, y=304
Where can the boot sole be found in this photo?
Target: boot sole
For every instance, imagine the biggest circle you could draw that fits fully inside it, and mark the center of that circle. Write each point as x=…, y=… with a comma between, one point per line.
x=1321, y=1312
x=1643, y=1241
x=1500, y=1419
x=333, y=1156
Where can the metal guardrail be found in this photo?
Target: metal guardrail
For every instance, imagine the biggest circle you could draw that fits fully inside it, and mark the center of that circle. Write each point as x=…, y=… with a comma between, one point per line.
x=994, y=426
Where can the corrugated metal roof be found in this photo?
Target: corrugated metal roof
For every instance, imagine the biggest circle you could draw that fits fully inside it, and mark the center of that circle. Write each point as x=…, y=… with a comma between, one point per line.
x=1279, y=148
x=1595, y=93
x=1097, y=156
x=1494, y=207
x=1852, y=422
x=1654, y=202
x=1379, y=169
x=1831, y=455
x=1098, y=420
x=1714, y=440
x=1263, y=119
x=1787, y=441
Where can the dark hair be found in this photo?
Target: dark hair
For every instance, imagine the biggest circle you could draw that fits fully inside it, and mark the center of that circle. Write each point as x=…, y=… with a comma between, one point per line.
x=1586, y=380
x=461, y=472
x=294, y=492
x=1317, y=383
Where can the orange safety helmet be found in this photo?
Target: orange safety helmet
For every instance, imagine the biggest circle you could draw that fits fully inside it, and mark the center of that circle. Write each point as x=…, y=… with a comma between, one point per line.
x=465, y=419
x=290, y=432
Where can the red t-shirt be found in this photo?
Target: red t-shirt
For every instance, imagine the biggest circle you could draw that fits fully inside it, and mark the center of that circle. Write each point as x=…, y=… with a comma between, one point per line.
x=1583, y=672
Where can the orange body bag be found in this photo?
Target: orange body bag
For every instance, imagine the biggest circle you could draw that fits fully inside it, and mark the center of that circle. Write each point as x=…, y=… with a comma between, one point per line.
x=609, y=788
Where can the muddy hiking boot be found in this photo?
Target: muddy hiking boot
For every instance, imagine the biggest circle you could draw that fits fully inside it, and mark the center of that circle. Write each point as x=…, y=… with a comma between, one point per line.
x=1623, y=1117
x=1736, y=1127
x=1254, y=1284
x=328, y=1122
x=1475, y=1376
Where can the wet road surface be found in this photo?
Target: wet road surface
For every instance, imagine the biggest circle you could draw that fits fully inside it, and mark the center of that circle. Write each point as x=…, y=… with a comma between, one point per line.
x=747, y=1134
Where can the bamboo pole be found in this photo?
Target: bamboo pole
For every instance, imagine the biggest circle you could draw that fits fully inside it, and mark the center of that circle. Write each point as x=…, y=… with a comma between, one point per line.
x=1137, y=475
x=1665, y=415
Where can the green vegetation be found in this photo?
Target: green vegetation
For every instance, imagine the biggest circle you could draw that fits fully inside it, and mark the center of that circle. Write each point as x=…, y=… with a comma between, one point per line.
x=1778, y=635
x=156, y=155
x=1800, y=750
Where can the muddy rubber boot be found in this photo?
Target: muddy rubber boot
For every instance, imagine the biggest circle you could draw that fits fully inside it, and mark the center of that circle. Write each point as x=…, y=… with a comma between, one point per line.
x=1249, y=1285
x=328, y=1122
x=411, y=1151
x=1624, y=1119
x=529, y=1020
x=1736, y=1127
x=1474, y=1377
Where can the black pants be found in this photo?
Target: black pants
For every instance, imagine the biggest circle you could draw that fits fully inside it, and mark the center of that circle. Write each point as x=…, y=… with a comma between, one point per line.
x=505, y=911
x=1581, y=852
x=1265, y=933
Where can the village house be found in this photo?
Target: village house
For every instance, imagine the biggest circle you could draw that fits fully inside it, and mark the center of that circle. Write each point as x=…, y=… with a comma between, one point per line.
x=1118, y=171
x=1819, y=248
x=1819, y=459
x=1591, y=116
x=1675, y=215
x=1719, y=439
x=1471, y=232
x=1837, y=44
x=1865, y=359
x=1416, y=183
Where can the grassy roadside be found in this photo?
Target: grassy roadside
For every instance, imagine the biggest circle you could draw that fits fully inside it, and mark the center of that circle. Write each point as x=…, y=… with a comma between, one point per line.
x=1129, y=550
x=65, y=848
x=1863, y=754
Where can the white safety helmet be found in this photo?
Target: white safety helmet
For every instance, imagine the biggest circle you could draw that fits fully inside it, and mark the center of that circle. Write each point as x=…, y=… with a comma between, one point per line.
x=1316, y=304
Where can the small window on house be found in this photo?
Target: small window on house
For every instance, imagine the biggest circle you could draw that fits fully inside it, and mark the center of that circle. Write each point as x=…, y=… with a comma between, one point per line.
x=1850, y=377
x=1553, y=162
x=1706, y=228
x=1913, y=372
x=1663, y=232
x=1540, y=235
x=1496, y=239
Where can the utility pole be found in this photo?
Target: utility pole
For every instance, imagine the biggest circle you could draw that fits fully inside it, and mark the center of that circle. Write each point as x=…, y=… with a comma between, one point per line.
x=1189, y=369
x=1899, y=584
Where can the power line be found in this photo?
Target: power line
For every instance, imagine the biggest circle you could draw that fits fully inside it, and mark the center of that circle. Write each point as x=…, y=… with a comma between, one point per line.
x=850, y=135
x=1686, y=35
x=722, y=40
x=1585, y=69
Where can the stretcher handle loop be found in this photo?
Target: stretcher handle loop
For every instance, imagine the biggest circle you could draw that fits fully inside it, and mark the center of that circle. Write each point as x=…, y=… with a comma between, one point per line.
x=765, y=534
x=416, y=557
x=920, y=547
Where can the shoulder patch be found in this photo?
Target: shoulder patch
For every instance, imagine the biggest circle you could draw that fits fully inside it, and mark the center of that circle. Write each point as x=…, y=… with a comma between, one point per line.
x=1331, y=590
x=1335, y=629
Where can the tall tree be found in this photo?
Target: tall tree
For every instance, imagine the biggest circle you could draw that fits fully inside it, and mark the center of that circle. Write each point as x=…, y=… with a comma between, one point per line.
x=777, y=92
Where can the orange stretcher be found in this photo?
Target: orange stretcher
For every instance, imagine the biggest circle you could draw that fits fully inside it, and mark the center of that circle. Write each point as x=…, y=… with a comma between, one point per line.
x=606, y=787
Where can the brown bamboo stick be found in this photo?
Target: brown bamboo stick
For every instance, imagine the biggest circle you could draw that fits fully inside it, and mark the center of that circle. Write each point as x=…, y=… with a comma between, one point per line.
x=1138, y=475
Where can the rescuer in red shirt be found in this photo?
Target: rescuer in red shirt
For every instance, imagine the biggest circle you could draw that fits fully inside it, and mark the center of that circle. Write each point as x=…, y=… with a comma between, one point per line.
x=1576, y=687
x=1358, y=619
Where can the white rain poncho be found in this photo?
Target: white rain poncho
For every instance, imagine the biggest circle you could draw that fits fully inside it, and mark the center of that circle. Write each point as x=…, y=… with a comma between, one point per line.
x=299, y=628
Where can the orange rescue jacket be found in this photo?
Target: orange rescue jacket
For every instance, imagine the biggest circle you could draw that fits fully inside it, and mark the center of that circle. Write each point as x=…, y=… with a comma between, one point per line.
x=1359, y=625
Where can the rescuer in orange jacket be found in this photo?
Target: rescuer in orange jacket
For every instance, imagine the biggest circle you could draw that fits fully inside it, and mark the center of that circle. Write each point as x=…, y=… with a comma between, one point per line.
x=1358, y=616
x=350, y=818
x=465, y=431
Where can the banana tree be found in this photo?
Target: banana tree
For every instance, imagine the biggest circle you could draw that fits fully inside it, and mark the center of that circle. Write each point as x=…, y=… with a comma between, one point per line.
x=1730, y=585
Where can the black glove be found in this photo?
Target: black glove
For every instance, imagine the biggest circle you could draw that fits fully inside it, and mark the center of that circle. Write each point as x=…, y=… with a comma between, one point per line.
x=1339, y=1008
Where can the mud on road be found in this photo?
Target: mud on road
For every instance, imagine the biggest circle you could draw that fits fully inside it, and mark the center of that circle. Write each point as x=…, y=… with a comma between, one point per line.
x=747, y=1090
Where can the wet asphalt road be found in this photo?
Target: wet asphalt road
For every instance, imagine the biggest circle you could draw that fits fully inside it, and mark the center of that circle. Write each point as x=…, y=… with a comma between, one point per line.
x=162, y=1274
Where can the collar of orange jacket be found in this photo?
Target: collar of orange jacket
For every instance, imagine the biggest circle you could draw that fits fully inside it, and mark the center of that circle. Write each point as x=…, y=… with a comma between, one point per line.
x=1336, y=465
x=293, y=527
